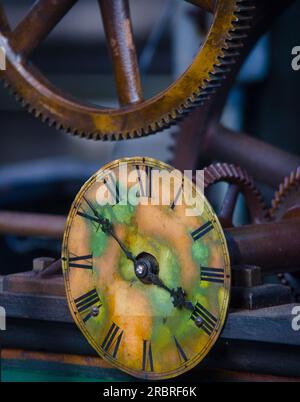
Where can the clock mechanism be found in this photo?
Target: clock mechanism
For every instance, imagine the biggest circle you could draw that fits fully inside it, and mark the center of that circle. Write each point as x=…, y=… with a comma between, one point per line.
x=147, y=284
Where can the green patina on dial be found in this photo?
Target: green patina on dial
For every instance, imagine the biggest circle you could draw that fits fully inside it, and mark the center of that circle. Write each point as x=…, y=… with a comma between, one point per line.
x=161, y=324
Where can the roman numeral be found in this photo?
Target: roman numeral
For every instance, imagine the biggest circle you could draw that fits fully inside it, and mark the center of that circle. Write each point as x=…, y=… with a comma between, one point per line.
x=112, y=340
x=142, y=189
x=182, y=355
x=145, y=181
x=174, y=203
x=209, y=320
x=147, y=362
x=214, y=275
x=86, y=301
x=113, y=188
x=200, y=232
x=149, y=181
x=91, y=206
x=93, y=218
x=87, y=216
x=84, y=258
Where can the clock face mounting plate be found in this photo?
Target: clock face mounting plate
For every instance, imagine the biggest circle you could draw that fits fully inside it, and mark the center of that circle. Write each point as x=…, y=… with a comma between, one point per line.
x=133, y=324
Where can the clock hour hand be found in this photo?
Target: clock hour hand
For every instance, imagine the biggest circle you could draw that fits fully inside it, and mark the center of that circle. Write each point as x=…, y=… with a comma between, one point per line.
x=128, y=253
x=107, y=228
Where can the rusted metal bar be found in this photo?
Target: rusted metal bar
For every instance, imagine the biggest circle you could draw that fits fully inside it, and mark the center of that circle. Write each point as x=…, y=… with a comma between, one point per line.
x=43, y=16
x=228, y=205
x=275, y=247
x=31, y=224
x=117, y=24
x=265, y=162
x=31, y=283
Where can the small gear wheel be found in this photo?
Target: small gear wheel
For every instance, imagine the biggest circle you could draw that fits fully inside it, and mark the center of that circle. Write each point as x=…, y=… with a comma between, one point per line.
x=286, y=203
x=239, y=182
x=135, y=116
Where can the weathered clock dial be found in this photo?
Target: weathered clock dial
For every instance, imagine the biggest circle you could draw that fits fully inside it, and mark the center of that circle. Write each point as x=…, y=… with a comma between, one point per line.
x=148, y=285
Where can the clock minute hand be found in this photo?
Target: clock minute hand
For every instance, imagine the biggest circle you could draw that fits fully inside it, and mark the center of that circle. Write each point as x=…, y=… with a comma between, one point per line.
x=155, y=280
x=107, y=228
x=178, y=295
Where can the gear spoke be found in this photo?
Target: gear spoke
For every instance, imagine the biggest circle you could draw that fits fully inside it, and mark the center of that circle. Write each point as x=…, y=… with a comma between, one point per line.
x=208, y=5
x=43, y=16
x=4, y=25
x=228, y=205
x=118, y=28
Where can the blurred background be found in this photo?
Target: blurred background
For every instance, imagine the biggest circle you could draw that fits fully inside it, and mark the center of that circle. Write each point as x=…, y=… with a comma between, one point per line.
x=42, y=169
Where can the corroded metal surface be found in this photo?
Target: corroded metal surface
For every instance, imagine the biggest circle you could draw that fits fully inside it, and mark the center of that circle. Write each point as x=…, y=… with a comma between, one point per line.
x=37, y=24
x=286, y=202
x=32, y=283
x=214, y=60
x=275, y=247
x=31, y=224
x=200, y=136
x=117, y=24
x=265, y=162
x=239, y=182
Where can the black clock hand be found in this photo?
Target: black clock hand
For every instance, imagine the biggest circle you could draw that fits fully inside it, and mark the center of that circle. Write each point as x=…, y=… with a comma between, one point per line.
x=128, y=253
x=155, y=280
x=178, y=295
x=107, y=228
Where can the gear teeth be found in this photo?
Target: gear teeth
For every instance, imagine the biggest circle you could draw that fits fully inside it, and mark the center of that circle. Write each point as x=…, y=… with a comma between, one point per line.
x=221, y=70
x=287, y=187
x=236, y=175
x=240, y=24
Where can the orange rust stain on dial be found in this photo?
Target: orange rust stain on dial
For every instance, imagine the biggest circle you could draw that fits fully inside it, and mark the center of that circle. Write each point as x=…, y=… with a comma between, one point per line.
x=155, y=222
x=125, y=303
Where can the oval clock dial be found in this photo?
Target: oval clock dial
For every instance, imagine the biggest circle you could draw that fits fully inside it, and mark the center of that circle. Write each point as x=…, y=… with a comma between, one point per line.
x=148, y=285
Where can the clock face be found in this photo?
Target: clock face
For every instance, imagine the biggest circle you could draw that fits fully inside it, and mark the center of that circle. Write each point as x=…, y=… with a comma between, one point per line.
x=148, y=285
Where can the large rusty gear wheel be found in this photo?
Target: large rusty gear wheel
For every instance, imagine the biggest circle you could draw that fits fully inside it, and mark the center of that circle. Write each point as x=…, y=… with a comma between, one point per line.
x=135, y=117
x=239, y=182
x=286, y=202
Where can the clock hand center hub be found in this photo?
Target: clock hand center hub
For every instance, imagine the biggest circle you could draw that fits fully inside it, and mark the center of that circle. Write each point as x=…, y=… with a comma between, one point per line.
x=146, y=269
x=145, y=266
